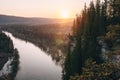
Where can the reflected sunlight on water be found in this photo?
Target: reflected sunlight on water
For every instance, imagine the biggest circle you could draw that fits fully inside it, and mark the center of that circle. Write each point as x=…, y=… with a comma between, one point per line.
x=34, y=63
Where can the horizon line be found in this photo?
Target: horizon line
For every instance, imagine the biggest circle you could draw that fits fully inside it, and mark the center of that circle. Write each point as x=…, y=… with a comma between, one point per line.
x=32, y=16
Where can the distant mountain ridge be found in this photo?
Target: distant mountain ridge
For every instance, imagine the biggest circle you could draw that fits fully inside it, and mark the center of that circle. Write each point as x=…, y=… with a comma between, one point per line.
x=8, y=19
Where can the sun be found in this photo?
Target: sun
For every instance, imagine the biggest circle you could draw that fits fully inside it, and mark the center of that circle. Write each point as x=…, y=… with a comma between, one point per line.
x=64, y=14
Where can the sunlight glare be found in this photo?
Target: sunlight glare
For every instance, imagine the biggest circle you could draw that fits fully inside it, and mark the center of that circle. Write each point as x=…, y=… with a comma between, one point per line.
x=64, y=14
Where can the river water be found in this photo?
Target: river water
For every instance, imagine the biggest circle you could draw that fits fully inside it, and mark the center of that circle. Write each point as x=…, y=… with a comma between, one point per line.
x=35, y=64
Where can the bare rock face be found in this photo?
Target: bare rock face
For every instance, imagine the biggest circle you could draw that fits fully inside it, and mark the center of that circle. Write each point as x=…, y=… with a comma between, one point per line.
x=109, y=54
x=115, y=58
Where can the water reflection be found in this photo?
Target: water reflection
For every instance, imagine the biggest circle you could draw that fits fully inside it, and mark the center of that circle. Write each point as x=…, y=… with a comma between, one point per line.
x=34, y=63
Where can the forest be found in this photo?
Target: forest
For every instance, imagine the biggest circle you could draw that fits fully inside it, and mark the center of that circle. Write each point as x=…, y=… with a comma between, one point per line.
x=94, y=45
x=51, y=38
x=86, y=49
x=8, y=52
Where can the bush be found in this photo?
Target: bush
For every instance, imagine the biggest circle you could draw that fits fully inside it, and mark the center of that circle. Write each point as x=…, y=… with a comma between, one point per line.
x=93, y=71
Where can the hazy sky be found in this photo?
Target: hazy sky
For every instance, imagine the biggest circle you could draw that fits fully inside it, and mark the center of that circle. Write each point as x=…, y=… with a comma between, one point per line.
x=42, y=8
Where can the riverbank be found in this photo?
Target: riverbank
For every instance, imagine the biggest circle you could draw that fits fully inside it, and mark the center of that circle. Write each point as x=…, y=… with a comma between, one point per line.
x=6, y=48
x=51, y=38
x=35, y=64
x=8, y=54
x=3, y=59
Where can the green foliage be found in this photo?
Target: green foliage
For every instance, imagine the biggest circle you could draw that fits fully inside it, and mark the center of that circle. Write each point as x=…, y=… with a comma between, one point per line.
x=73, y=62
x=87, y=27
x=67, y=68
x=114, y=11
x=6, y=44
x=113, y=32
x=93, y=71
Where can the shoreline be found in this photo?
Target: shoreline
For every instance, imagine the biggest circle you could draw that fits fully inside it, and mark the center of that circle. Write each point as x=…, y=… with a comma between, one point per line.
x=45, y=37
x=7, y=51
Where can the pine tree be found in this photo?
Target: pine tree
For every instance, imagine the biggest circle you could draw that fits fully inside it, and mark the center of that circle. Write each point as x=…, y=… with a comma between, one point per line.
x=67, y=67
x=114, y=12
x=89, y=37
x=86, y=28
x=103, y=19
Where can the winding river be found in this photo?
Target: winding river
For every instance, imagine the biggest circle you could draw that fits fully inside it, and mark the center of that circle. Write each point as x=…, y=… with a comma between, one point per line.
x=35, y=64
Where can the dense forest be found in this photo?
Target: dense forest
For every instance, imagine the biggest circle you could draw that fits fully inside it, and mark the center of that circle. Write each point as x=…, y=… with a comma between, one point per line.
x=94, y=45
x=6, y=47
x=89, y=50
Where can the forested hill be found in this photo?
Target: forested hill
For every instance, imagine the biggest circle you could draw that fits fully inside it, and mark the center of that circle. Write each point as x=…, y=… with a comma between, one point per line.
x=94, y=44
x=7, y=19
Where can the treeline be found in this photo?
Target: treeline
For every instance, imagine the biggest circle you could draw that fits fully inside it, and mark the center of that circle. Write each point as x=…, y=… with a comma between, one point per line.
x=8, y=53
x=6, y=44
x=88, y=27
x=50, y=37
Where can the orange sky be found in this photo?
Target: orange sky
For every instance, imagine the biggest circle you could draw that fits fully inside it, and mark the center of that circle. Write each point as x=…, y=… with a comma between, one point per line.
x=42, y=8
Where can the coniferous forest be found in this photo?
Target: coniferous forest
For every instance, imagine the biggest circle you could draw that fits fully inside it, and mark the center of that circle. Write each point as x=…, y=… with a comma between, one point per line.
x=94, y=44
x=55, y=45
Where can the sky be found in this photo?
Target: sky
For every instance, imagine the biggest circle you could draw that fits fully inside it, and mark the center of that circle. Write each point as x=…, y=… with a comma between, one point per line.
x=42, y=8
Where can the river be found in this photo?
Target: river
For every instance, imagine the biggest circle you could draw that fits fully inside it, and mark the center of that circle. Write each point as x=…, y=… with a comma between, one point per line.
x=35, y=64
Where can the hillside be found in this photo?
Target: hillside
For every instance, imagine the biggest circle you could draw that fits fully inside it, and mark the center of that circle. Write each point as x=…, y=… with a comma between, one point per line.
x=7, y=19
